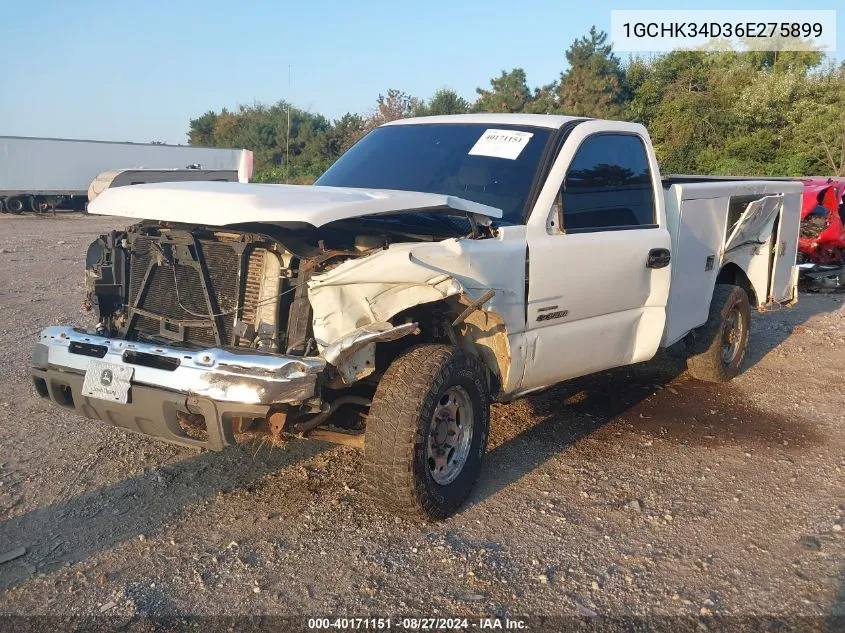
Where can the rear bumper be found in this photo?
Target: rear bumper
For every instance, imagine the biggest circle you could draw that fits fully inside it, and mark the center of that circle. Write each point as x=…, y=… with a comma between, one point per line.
x=168, y=383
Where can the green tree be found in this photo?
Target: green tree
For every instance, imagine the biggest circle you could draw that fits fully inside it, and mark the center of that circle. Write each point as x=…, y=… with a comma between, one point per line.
x=201, y=129
x=819, y=133
x=345, y=132
x=683, y=98
x=594, y=83
x=779, y=60
x=545, y=100
x=392, y=106
x=508, y=93
x=444, y=101
x=717, y=111
x=264, y=130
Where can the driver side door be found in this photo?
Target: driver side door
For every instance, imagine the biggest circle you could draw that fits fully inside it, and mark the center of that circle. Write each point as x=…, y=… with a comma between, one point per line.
x=598, y=257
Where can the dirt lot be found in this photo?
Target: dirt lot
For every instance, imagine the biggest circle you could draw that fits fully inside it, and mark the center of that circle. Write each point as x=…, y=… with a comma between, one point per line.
x=636, y=492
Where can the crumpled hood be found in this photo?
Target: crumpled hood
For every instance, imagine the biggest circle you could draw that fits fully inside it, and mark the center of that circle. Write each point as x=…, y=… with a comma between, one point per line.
x=223, y=203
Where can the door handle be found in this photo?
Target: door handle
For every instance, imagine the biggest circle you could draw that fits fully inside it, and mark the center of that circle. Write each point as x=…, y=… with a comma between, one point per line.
x=658, y=258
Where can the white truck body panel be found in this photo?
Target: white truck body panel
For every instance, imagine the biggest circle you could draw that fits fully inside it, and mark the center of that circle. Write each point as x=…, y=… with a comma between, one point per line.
x=50, y=166
x=698, y=216
x=224, y=203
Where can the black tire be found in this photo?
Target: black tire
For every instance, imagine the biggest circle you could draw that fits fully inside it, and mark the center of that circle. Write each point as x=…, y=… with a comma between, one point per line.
x=15, y=205
x=397, y=465
x=716, y=348
x=2, y=205
x=39, y=204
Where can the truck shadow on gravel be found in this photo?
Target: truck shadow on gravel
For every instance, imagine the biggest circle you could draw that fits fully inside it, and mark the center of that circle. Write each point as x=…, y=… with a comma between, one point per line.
x=73, y=530
x=836, y=617
x=656, y=399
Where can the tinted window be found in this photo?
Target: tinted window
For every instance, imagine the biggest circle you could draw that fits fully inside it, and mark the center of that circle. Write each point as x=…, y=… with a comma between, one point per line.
x=608, y=184
x=434, y=158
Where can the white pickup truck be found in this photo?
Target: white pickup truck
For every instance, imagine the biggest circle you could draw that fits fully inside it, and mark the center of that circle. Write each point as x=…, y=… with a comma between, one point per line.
x=441, y=263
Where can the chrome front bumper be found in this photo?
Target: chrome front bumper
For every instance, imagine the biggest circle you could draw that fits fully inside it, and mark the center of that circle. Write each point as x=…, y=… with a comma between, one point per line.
x=219, y=375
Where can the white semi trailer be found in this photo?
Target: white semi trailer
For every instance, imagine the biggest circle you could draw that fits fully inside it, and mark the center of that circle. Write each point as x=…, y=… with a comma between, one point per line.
x=39, y=173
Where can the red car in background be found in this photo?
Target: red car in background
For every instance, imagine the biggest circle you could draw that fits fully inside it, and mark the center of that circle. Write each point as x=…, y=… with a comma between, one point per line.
x=822, y=236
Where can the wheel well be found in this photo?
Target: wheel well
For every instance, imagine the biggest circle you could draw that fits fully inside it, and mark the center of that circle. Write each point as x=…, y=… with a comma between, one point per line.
x=734, y=275
x=482, y=334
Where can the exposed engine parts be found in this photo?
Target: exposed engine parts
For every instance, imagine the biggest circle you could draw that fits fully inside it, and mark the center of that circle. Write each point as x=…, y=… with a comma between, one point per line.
x=192, y=288
x=199, y=287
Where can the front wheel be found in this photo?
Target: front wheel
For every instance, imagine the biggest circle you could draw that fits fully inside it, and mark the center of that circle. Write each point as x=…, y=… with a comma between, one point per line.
x=427, y=431
x=718, y=347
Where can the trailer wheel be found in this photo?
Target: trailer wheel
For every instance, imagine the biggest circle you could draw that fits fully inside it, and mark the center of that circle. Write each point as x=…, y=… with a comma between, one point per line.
x=2, y=205
x=427, y=431
x=14, y=205
x=718, y=347
x=39, y=204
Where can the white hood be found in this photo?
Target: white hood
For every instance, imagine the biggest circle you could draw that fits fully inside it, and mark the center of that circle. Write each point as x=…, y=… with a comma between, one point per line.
x=222, y=203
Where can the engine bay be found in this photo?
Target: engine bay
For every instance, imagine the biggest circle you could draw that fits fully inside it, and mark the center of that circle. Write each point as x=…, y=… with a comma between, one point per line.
x=197, y=287
x=238, y=287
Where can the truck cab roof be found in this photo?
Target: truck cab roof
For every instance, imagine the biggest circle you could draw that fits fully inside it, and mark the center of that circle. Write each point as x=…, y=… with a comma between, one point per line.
x=552, y=121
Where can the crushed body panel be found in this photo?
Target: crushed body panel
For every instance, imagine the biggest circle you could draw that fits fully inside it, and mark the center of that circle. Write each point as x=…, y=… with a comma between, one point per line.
x=376, y=288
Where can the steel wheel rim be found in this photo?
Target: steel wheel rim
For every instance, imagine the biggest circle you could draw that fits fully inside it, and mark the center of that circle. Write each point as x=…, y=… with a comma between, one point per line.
x=732, y=335
x=449, y=435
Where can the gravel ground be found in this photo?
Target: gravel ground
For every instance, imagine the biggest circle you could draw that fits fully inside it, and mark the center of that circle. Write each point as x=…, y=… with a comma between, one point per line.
x=635, y=492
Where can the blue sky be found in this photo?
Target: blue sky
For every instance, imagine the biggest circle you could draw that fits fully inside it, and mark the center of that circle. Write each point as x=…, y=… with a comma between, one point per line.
x=138, y=71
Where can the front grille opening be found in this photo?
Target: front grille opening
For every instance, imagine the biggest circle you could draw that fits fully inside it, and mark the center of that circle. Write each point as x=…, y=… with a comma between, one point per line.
x=41, y=387
x=151, y=360
x=88, y=349
x=63, y=395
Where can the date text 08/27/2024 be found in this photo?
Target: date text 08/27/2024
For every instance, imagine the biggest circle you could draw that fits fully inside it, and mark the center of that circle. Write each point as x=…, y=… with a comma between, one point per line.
x=416, y=624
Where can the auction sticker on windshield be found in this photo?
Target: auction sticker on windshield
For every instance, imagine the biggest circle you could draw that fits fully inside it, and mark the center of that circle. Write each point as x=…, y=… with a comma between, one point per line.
x=501, y=144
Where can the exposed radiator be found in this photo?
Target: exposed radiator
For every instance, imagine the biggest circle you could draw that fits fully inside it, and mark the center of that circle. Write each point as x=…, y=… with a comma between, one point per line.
x=252, y=289
x=223, y=264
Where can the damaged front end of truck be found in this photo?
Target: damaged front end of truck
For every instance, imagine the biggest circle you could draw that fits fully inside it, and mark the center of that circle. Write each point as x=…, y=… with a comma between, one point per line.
x=252, y=324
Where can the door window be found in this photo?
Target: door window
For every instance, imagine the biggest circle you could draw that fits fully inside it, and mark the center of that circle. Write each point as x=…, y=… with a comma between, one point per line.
x=608, y=186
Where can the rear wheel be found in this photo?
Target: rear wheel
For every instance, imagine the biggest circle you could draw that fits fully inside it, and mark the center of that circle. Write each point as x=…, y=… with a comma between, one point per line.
x=718, y=347
x=427, y=431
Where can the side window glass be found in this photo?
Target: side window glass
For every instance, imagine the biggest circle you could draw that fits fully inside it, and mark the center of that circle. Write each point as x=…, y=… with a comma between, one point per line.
x=608, y=185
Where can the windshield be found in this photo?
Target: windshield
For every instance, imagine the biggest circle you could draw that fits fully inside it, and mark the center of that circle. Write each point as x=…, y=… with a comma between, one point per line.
x=468, y=160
